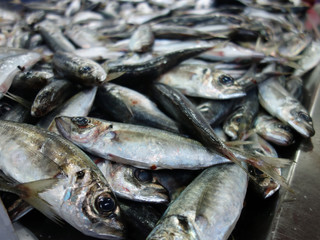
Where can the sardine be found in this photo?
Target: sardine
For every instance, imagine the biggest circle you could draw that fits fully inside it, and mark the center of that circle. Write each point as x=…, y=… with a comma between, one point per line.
x=132, y=183
x=202, y=81
x=58, y=179
x=279, y=103
x=51, y=97
x=11, y=65
x=273, y=130
x=130, y=106
x=208, y=208
x=82, y=70
x=142, y=39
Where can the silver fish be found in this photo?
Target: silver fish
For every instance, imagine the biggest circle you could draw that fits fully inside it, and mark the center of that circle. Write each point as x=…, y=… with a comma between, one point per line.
x=273, y=130
x=279, y=103
x=83, y=70
x=202, y=81
x=58, y=179
x=207, y=209
x=142, y=39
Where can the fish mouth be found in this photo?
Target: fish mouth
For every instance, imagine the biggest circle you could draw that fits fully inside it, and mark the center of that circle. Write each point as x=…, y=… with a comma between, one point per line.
x=304, y=128
x=63, y=126
x=281, y=139
x=103, y=231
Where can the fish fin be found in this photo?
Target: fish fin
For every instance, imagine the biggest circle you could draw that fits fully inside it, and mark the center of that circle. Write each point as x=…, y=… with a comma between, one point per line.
x=113, y=75
x=29, y=192
x=18, y=99
x=267, y=165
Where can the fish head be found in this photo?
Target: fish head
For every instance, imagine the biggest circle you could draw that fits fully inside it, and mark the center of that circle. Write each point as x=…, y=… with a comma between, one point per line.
x=91, y=70
x=231, y=125
x=225, y=85
x=300, y=120
x=91, y=207
x=281, y=133
x=174, y=227
x=80, y=130
x=133, y=183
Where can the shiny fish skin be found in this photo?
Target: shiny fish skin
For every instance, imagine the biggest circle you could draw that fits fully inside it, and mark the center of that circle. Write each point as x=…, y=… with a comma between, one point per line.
x=192, y=120
x=273, y=130
x=132, y=183
x=264, y=185
x=54, y=37
x=240, y=121
x=130, y=106
x=46, y=155
x=9, y=68
x=82, y=70
x=215, y=111
x=202, y=81
x=51, y=97
x=142, y=39
x=207, y=209
x=79, y=104
x=135, y=145
x=279, y=103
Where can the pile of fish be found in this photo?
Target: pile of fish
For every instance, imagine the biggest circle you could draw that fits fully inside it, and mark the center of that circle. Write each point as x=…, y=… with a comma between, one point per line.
x=105, y=105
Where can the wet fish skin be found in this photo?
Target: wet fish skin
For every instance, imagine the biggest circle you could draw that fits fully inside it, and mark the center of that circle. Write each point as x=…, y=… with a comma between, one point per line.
x=51, y=96
x=9, y=67
x=279, y=103
x=79, y=104
x=130, y=144
x=188, y=115
x=132, y=183
x=54, y=37
x=273, y=130
x=208, y=208
x=240, y=121
x=294, y=86
x=215, y=111
x=77, y=187
x=202, y=81
x=264, y=185
x=157, y=65
x=130, y=106
x=82, y=70
x=142, y=39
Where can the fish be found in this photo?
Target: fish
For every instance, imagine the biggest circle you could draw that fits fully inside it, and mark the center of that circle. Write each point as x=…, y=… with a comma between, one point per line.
x=279, y=103
x=10, y=66
x=216, y=111
x=208, y=208
x=51, y=97
x=132, y=183
x=263, y=184
x=202, y=81
x=54, y=37
x=82, y=70
x=273, y=130
x=150, y=148
x=58, y=179
x=142, y=39
x=238, y=124
x=130, y=106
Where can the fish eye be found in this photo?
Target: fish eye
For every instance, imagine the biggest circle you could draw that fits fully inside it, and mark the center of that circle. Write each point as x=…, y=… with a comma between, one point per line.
x=80, y=174
x=226, y=80
x=104, y=204
x=237, y=119
x=80, y=121
x=143, y=175
x=284, y=127
x=85, y=69
x=304, y=116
